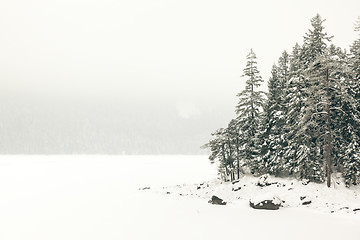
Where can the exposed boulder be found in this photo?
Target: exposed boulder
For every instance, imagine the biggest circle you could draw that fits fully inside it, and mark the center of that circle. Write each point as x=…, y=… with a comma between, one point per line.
x=273, y=203
x=217, y=201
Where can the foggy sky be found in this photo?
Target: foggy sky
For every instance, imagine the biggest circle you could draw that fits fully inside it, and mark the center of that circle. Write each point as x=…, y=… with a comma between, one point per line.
x=188, y=54
x=171, y=48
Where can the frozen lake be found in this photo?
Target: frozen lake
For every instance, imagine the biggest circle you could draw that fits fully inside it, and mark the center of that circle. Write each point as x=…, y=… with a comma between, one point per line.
x=97, y=197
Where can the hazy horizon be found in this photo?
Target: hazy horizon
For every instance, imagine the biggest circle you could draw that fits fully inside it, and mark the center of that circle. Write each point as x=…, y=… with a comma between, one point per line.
x=73, y=71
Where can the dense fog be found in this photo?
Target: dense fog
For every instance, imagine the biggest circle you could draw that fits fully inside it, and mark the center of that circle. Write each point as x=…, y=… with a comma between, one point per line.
x=104, y=126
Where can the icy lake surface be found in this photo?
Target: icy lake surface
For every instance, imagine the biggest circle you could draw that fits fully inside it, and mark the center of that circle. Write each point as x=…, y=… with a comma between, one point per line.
x=98, y=197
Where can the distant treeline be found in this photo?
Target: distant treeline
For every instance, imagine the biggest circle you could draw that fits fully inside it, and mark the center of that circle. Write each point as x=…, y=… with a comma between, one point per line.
x=96, y=126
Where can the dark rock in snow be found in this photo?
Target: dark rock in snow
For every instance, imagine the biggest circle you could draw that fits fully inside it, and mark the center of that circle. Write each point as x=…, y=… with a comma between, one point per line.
x=305, y=200
x=198, y=188
x=356, y=209
x=144, y=188
x=266, y=204
x=236, y=181
x=236, y=189
x=216, y=200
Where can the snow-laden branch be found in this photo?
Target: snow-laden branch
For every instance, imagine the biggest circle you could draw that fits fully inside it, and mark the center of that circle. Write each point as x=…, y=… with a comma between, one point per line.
x=325, y=103
x=337, y=108
x=320, y=113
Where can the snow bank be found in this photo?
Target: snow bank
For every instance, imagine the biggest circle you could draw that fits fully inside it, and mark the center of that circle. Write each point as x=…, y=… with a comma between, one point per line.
x=292, y=193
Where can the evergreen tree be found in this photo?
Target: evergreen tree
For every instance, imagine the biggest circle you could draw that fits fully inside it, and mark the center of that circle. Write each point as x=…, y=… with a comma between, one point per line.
x=221, y=151
x=248, y=112
x=315, y=42
x=352, y=153
x=295, y=61
x=295, y=101
x=235, y=140
x=272, y=135
x=309, y=155
x=284, y=77
x=354, y=68
x=269, y=161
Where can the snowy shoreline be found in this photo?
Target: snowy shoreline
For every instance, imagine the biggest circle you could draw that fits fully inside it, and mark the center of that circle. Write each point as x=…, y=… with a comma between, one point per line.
x=293, y=193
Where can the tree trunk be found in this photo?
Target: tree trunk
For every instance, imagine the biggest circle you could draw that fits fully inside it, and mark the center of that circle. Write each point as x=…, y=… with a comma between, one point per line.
x=237, y=158
x=328, y=138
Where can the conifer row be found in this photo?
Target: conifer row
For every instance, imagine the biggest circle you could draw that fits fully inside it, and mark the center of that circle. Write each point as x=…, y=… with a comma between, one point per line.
x=308, y=123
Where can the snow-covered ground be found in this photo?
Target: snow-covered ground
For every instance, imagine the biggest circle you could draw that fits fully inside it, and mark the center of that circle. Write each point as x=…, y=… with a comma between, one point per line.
x=98, y=197
x=337, y=199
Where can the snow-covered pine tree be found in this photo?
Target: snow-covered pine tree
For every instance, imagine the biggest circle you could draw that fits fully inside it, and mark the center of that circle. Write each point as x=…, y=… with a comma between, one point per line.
x=272, y=125
x=351, y=163
x=295, y=100
x=312, y=124
x=225, y=148
x=351, y=171
x=235, y=141
x=284, y=72
x=284, y=77
x=295, y=61
x=315, y=42
x=302, y=153
x=325, y=119
x=267, y=123
x=222, y=151
x=248, y=112
x=354, y=68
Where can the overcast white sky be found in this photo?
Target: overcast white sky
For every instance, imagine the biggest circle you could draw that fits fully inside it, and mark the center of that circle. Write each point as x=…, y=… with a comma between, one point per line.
x=188, y=49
